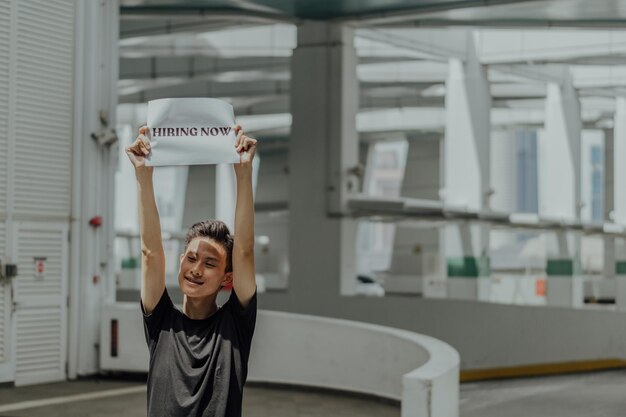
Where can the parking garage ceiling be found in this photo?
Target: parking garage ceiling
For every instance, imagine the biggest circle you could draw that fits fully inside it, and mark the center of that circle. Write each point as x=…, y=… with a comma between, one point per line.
x=307, y=9
x=240, y=50
x=423, y=13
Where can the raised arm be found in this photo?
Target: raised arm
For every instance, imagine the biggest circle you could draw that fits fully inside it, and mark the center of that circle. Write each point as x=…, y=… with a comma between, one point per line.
x=244, y=281
x=153, y=255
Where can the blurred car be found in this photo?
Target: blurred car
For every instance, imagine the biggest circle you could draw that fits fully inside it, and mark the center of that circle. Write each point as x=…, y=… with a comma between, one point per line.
x=369, y=286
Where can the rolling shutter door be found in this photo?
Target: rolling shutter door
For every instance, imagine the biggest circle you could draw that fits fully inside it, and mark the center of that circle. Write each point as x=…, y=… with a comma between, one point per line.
x=5, y=40
x=44, y=108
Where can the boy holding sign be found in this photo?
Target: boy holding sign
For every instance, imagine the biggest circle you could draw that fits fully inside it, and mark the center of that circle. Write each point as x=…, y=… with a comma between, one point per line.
x=198, y=357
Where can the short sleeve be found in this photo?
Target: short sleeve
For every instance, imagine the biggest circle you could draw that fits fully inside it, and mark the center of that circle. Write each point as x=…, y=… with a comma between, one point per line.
x=244, y=317
x=153, y=322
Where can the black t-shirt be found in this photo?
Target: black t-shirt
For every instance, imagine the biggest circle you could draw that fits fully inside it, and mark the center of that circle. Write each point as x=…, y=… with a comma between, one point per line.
x=198, y=367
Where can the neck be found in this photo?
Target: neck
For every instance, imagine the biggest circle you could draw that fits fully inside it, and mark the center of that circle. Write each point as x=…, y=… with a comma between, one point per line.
x=199, y=308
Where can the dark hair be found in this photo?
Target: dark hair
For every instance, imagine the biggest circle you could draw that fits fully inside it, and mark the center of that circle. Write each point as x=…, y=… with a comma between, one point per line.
x=217, y=231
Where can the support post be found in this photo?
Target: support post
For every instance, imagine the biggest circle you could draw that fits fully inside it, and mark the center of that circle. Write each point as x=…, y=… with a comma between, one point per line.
x=95, y=153
x=415, y=260
x=323, y=156
x=466, y=176
x=619, y=200
x=561, y=192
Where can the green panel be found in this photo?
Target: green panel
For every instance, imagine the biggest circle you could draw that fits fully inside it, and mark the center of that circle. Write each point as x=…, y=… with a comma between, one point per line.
x=620, y=267
x=130, y=263
x=560, y=267
x=468, y=267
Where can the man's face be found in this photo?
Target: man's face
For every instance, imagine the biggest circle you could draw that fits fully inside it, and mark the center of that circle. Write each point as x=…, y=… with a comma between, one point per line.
x=202, y=268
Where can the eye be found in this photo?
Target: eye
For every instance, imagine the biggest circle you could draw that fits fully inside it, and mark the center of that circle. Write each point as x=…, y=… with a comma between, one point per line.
x=191, y=258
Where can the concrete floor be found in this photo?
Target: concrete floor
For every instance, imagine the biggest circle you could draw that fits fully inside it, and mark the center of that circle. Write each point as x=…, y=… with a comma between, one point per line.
x=595, y=394
x=259, y=401
x=600, y=394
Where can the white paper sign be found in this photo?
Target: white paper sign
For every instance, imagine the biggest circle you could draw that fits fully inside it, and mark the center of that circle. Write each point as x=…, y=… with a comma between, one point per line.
x=191, y=131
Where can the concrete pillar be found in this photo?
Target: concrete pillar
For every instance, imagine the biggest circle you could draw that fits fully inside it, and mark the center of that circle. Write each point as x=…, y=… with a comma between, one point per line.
x=503, y=173
x=619, y=200
x=561, y=197
x=375, y=256
x=415, y=260
x=200, y=194
x=466, y=176
x=322, y=156
x=608, y=241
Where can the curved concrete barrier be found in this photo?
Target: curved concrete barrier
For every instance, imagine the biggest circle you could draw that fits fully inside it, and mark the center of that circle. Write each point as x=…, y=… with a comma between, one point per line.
x=420, y=371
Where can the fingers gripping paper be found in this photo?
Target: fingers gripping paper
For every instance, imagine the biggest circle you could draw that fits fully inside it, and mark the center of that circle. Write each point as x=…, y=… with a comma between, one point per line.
x=191, y=131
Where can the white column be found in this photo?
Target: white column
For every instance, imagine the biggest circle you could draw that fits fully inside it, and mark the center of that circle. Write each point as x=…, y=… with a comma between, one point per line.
x=560, y=191
x=92, y=270
x=466, y=176
x=323, y=149
x=619, y=200
x=226, y=191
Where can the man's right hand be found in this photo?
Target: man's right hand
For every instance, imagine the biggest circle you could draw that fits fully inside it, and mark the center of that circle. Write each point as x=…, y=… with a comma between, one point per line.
x=139, y=150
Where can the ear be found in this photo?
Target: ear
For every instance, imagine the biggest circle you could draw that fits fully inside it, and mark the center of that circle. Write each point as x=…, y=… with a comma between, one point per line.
x=228, y=279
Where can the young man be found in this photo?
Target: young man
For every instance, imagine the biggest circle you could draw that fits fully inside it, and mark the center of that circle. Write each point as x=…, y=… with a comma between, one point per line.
x=198, y=357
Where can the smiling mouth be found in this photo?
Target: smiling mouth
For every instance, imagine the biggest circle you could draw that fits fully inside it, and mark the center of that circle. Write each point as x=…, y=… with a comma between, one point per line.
x=193, y=281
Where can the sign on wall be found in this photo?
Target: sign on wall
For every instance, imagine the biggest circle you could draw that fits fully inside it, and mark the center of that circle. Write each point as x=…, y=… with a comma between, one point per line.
x=40, y=266
x=540, y=287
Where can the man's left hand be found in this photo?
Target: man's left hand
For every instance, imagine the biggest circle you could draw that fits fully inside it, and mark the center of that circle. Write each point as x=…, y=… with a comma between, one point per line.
x=246, y=147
